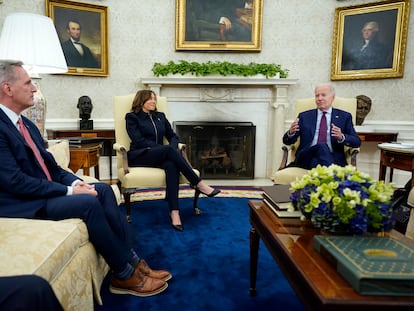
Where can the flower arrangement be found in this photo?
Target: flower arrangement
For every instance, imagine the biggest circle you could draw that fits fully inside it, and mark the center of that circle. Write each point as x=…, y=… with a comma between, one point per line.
x=344, y=200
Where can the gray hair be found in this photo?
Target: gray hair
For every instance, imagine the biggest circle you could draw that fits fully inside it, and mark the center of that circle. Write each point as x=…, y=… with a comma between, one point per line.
x=331, y=87
x=371, y=25
x=7, y=72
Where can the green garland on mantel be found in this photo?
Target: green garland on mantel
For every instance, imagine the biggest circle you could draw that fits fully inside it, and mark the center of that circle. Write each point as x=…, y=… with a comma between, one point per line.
x=218, y=68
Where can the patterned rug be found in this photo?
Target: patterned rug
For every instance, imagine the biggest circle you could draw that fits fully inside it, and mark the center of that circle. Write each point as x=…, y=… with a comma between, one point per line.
x=187, y=192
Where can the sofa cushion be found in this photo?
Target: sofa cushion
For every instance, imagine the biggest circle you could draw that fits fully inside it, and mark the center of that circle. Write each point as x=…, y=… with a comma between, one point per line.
x=60, y=151
x=41, y=247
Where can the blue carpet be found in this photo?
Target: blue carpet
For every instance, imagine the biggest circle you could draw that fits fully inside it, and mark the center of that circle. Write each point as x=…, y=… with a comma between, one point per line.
x=209, y=260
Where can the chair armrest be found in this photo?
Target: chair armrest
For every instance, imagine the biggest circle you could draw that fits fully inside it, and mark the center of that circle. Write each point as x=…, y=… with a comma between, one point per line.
x=121, y=150
x=283, y=163
x=354, y=153
x=183, y=150
x=351, y=155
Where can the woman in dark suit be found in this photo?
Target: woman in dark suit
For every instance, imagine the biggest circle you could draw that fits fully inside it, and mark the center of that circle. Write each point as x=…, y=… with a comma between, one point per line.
x=147, y=128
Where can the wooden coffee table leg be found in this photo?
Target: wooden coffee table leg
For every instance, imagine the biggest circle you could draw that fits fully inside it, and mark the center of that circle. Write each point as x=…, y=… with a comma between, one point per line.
x=254, y=254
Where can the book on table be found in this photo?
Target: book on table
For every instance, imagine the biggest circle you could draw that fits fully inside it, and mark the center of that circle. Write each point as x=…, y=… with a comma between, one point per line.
x=372, y=265
x=80, y=140
x=277, y=197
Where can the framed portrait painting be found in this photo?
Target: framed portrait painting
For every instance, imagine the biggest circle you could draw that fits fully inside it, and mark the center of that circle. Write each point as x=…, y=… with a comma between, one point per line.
x=83, y=32
x=369, y=40
x=217, y=25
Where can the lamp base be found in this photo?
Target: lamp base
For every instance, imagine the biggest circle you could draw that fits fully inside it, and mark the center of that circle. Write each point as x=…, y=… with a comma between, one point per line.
x=37, y=113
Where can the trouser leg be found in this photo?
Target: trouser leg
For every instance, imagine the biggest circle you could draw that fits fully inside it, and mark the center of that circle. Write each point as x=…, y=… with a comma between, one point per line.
x=107, y=240
x=172, y=176
x=27, y=292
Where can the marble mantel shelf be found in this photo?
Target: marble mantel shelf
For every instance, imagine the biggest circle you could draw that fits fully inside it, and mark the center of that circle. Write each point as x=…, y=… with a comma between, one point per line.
x=278, y=102
x=222, y=80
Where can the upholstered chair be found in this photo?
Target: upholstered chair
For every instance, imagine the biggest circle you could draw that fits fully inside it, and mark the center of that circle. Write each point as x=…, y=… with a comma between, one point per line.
x=285, y=175
x=410, y=226
x=133, y=178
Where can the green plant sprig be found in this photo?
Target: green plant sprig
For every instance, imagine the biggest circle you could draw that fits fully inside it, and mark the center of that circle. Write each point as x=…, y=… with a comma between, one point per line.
x=221, y=68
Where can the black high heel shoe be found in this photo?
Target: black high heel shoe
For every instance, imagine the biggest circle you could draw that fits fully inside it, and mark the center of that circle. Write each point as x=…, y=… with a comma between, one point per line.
x=211, y=194
x=177, y=227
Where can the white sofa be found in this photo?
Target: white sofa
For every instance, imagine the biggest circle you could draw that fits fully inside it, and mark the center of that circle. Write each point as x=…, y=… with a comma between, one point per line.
x=58, y=251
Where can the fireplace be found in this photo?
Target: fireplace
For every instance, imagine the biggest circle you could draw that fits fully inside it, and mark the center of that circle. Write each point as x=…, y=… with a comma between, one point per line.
x=262, y=101
x=219, y=150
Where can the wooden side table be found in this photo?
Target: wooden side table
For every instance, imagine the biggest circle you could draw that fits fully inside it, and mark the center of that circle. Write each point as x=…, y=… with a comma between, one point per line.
x=383, y=137
x=108, y=135
x=396, y=158
x=85, y=157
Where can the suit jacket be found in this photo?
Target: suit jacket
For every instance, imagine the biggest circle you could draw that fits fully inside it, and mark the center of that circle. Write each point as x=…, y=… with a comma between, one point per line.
x=75, y=59
x=24, y=188
x=307, y=125
x=148, y=130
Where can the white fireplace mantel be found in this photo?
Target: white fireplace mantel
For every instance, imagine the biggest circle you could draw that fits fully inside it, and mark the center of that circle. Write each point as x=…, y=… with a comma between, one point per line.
x=226, y=89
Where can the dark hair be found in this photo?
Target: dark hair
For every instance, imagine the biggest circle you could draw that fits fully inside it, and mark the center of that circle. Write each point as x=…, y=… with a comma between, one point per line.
x=140, y=98
x=73, y=21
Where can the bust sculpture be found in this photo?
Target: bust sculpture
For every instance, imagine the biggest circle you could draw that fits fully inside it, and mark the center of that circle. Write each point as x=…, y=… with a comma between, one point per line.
x=364, y=104
x=85, y=108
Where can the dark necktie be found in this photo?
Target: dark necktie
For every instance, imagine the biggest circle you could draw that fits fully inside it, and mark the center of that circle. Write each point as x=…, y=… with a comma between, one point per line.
x=322, y=129
x=26, y=135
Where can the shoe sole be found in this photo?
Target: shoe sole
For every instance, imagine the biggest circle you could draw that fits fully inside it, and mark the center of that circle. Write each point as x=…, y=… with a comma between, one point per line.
x=167, y=278
x=123, y=291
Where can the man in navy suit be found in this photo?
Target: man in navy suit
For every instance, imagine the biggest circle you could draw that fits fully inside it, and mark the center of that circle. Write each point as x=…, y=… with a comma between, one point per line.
x=339, y=130
x=27, y=292
x=76, y=53
x=33, y=186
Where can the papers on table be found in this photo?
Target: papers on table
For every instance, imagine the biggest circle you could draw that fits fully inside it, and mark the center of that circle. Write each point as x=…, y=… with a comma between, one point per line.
x=397, y=145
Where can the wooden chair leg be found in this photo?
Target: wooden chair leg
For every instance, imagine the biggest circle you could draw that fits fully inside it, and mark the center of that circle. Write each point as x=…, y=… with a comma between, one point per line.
x=197, y=211
x=127, y=199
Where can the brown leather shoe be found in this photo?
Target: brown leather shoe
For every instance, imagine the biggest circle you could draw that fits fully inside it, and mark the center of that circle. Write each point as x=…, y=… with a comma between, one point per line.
x=137, y=285
x=156, y=274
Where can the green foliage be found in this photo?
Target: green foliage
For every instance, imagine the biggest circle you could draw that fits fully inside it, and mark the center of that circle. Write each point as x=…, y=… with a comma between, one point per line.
x=220, y=68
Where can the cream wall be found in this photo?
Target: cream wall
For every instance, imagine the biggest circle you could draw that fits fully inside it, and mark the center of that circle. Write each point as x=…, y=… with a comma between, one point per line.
x=296, y=34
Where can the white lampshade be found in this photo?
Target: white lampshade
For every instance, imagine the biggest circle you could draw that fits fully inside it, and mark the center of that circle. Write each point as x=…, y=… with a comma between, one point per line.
x=32, y=39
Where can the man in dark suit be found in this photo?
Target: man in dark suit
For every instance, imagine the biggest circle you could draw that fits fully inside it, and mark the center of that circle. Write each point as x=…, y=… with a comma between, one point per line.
x=32, y=185
x=27, y=292
x=76, y=53
x=327, y=148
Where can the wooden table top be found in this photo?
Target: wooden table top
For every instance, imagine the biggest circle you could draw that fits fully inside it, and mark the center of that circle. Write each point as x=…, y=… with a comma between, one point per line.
x=315, y=280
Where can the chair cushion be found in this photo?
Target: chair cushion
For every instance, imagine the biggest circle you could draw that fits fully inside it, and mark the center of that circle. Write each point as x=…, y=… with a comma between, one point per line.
x=287, y=175
x=146, y=177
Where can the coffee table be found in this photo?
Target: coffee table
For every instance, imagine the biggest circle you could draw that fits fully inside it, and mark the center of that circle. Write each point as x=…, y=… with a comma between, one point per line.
x=314, y=279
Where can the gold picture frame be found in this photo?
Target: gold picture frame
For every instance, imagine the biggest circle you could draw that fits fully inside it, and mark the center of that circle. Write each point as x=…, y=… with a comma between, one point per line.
x=386, y=24
x=91, y=22
x=201, y=25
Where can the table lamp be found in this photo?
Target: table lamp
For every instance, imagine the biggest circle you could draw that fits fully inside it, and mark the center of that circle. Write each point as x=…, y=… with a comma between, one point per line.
x=32, y=39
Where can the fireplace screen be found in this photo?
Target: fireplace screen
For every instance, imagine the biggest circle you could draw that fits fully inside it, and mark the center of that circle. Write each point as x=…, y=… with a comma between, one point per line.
x=219, y=150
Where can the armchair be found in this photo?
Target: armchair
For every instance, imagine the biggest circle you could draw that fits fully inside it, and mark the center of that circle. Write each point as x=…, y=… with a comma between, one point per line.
x=133, y=178
x=285, y=175
x=410, y=226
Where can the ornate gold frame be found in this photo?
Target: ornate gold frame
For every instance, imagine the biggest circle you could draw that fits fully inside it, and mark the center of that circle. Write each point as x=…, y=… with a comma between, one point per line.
x=183, y=42
x=349, y=22
x=94, y=31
